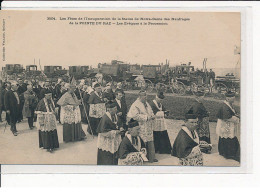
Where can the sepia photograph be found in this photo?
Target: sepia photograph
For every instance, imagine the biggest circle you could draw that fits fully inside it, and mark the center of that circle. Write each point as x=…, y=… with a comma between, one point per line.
x=152, y=88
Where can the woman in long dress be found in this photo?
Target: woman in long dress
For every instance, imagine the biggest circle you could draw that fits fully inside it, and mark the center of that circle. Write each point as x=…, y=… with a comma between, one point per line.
x=70, y=115
x=46, y=123
x=228, y=129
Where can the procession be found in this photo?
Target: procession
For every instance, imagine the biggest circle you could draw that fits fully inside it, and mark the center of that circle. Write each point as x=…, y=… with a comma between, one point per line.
x=124, y=133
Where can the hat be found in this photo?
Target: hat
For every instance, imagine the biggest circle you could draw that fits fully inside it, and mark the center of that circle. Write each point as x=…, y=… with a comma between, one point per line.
x=132, y=123
x=96, y=85
x=190, y=115
x=230, y=94
x=110, y=104
x=160, y=95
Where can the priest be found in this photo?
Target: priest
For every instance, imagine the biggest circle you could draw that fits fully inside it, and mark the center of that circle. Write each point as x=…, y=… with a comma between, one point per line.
x=70, y=115
x=132, y=149
x=228, y=129
x=46, y=123
x=96, y=109
x=141, y=111
x=109, y=136
x=162, y=142
x=186, y=145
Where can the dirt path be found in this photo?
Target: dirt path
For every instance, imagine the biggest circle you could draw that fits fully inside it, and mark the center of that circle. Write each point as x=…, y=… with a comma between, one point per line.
x=24, y=149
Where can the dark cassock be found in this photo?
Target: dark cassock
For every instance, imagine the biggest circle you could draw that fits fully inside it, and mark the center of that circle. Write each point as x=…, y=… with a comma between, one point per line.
x=86, y=96
x=162, y=142
x=228, y=129
x=132, y=149
x=46, y=123
x=123, y=98
x=58, y=91
x=186, y=147
x=79, y=93
x=121, y=110
x=96, y=110
x=203, y=119
x=109, y=137
x=70, y=117
x=63, y=91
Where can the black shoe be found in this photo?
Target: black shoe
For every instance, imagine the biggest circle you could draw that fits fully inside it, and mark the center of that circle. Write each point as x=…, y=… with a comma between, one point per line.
x=15, y=134
x=155, y=160
x=50, y=150
x=31, y=128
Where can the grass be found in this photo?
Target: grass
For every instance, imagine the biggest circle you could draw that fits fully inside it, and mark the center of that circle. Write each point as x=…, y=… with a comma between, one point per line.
x=179, y=105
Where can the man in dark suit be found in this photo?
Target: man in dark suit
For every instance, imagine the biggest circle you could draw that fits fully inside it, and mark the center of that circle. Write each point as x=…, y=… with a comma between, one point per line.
x=7, y=86
x=121, y=108
x=46, y=87
x=12, y=106
x=22, y=87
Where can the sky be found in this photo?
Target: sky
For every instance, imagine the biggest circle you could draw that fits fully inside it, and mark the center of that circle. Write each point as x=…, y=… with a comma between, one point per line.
x=29, y=35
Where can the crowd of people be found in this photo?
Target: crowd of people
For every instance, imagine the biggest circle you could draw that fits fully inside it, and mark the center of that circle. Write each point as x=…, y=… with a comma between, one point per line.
x=124, y=136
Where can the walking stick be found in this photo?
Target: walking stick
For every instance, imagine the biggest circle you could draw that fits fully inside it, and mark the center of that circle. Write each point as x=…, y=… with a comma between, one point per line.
x=86, y=113
x=5, y=126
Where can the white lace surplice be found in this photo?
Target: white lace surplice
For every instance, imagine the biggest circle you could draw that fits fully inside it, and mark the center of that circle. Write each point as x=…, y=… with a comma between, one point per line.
x=109, y=141
x=70, y=114
x=159, y=123
x=97, y=110
x=46, y=121
x=143, y=115
x=227, y=129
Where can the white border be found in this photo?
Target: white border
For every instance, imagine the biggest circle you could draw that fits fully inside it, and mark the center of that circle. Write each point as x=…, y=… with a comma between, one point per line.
x=246, y=85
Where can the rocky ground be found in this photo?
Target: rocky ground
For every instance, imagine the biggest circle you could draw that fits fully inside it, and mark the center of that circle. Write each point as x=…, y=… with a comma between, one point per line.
x=24, y=149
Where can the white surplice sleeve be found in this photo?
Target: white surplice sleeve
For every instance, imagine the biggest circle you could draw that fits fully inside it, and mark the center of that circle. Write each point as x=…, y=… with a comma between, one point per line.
x=136, y=114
